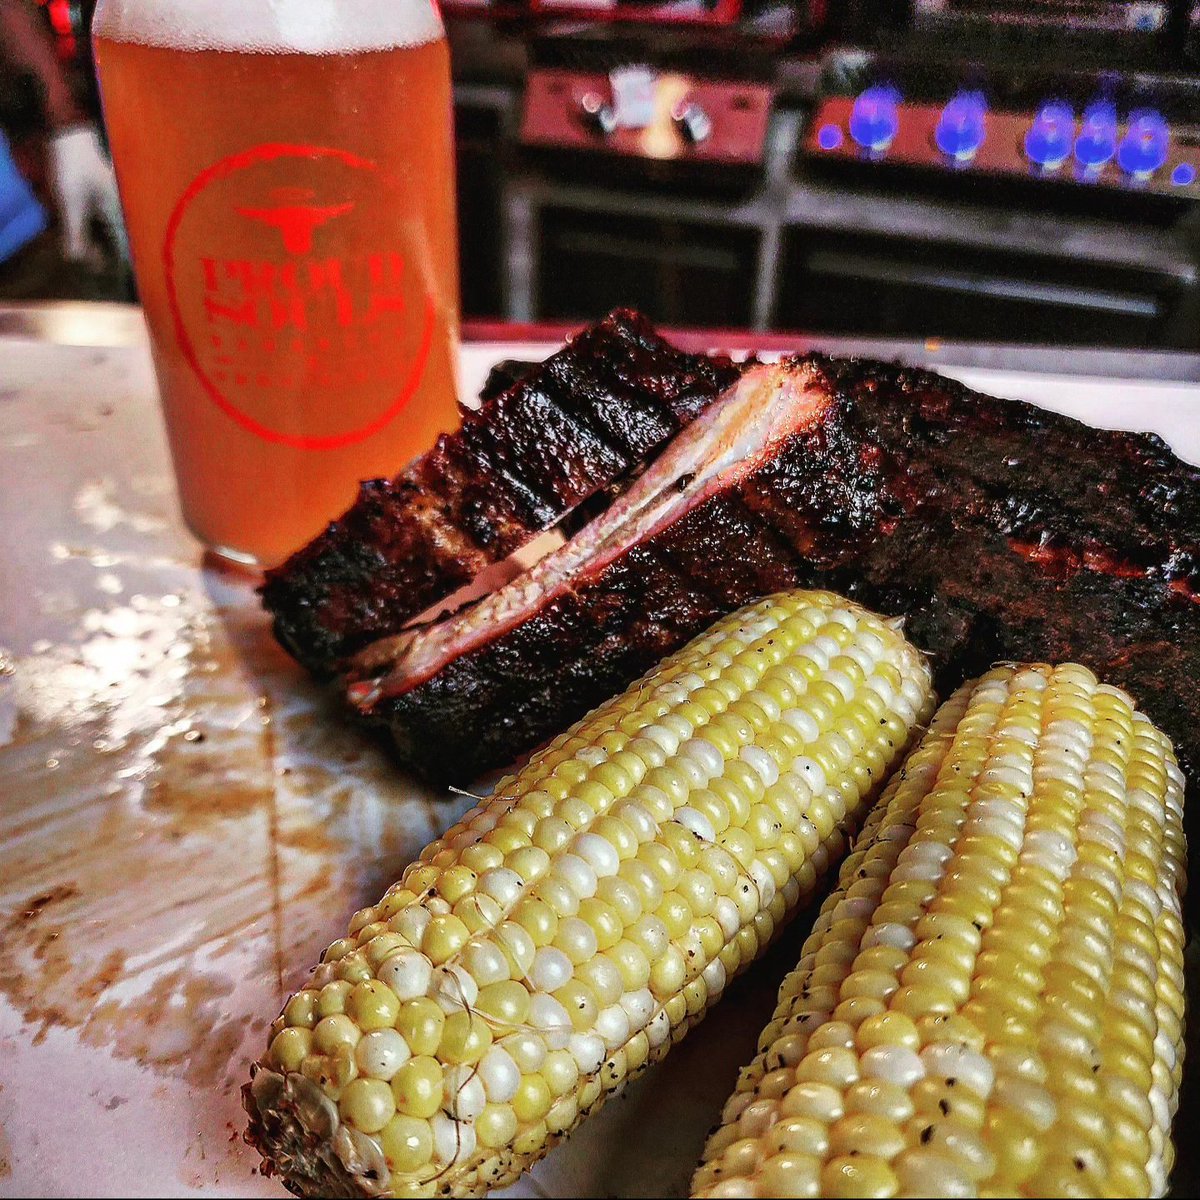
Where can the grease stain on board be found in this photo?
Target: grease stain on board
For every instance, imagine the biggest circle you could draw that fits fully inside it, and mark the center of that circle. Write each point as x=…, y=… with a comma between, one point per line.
x=96, y=505
x=180, y=802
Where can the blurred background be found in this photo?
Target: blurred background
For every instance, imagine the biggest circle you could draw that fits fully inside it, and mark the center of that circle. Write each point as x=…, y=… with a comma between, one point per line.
x=1002, y=170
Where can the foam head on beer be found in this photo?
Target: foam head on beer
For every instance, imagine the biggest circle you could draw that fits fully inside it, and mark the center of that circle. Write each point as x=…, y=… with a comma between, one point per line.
x=287, y=174
x=271, y=26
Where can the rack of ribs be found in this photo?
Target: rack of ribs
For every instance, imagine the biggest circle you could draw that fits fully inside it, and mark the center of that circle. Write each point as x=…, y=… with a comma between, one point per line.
x=995, y=529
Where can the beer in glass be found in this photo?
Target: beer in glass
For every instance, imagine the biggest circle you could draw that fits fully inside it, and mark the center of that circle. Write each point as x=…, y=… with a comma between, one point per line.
x=286, y=171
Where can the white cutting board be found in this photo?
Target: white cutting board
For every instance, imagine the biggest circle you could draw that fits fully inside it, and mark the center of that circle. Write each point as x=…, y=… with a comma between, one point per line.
x=161, y=893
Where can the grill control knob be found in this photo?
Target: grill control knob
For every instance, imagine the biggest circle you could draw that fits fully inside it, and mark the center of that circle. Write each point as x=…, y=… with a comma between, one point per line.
x=597, y=114
x=962, y=127
x=692, y=121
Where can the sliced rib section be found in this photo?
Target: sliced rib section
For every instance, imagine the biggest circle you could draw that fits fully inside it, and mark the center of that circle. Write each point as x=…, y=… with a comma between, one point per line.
x=576, y=425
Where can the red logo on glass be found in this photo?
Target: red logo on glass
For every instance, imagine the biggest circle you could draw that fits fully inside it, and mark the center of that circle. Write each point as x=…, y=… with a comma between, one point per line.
x=317, y=309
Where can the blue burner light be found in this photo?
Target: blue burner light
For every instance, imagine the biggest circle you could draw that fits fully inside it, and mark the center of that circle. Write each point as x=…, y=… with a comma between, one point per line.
x=1097, y=141
x=962, y=127
x=874, y=119
x=1184, y=175
x=1145, y=145
x=829, y=137
x=1049, y=137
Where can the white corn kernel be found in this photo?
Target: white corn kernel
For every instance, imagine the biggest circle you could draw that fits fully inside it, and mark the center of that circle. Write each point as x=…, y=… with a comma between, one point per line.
x=408, y=973
x=499, y=1074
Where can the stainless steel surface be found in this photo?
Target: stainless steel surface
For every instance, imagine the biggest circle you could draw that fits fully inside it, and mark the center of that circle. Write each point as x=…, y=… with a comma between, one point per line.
x=1103, y=242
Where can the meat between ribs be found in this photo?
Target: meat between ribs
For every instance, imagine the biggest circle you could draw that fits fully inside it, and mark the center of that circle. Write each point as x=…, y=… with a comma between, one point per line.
x=521, y=463
x=997, y=529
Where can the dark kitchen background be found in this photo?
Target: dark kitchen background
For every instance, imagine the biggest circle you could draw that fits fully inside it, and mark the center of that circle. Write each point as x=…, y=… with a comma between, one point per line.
x=1001, y=170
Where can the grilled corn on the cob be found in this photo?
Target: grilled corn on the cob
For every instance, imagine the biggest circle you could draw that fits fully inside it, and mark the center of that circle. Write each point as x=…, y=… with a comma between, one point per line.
x=991, y=1002
x=573, y=926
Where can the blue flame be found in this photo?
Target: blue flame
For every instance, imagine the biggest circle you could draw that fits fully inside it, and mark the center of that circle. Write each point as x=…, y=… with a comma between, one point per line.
x=1097, y=141
x=875, y=118
x=1048, y=140
x=1146, y=143
x=962, y=127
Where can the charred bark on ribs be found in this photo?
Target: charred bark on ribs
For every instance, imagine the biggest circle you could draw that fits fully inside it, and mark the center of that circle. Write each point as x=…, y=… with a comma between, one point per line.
x=521, y=463
x=997, y=529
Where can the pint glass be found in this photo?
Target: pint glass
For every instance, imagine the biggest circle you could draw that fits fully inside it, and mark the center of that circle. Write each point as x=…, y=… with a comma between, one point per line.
x=286, y=171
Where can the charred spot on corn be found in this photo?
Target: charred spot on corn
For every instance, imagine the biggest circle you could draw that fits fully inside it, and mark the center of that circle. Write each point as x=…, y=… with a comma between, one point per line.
x=991, y=1002
x=568, y=930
